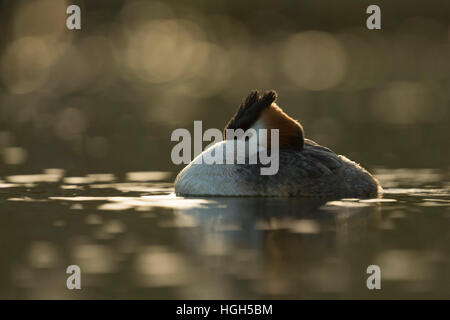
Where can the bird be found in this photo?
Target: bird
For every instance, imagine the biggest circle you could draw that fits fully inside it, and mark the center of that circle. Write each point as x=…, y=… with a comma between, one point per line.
x=305, y=168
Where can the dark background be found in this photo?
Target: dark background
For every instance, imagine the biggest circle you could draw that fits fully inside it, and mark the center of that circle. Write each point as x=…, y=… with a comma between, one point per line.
x=106, y=98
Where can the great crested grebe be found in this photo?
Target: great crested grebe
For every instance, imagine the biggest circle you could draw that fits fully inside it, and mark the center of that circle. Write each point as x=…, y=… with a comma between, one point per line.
x=306, y=169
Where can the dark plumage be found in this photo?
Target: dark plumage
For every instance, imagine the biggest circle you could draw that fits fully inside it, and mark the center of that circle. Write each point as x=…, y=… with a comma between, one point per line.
x=250, y=110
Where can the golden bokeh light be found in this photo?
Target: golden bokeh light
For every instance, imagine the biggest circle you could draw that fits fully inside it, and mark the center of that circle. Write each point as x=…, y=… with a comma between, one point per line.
x=314, y=60
x=24, y=65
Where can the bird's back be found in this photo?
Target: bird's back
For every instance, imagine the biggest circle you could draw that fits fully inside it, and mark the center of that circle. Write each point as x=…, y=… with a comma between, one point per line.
x=315, y=171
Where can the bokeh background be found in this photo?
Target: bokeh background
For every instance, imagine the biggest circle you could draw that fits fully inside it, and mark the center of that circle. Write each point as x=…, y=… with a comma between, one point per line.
x=85, y=170
x=106, y=98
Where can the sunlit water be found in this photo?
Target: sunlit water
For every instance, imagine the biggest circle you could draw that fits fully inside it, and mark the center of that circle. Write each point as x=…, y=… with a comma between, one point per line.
x=132, y=238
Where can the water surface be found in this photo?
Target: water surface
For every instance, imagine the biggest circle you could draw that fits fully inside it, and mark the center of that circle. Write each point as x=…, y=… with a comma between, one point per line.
x=132, y=238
